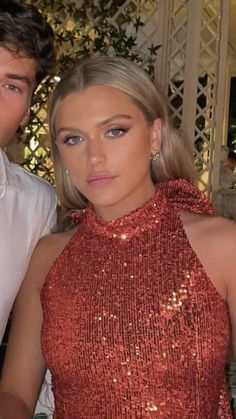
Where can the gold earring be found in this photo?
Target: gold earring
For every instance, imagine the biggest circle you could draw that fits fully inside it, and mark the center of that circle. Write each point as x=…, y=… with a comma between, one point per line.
x=155, y=155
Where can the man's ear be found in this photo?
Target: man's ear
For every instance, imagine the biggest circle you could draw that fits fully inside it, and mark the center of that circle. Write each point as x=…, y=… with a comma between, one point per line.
x=156, y=134
x=25, y=118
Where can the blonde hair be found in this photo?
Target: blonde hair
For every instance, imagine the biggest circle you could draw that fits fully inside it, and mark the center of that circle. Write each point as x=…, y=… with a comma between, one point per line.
x=175, y=160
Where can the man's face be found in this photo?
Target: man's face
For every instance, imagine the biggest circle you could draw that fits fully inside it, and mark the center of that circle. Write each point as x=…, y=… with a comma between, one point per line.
x=17, y=80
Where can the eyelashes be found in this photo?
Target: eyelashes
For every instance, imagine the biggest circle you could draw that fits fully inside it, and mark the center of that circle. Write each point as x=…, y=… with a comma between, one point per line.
x=72, y=139
x=111, y=133
x=12, y=88
x=116, y=132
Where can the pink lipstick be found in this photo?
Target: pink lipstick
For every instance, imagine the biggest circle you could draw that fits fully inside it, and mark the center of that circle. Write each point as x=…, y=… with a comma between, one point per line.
x=100, y=178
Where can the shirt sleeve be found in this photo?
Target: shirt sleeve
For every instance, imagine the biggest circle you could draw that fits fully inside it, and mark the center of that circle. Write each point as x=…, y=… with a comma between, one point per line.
x=50, y=214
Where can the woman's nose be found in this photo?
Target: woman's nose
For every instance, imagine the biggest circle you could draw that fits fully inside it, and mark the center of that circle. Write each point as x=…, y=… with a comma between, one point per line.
x=96, y=152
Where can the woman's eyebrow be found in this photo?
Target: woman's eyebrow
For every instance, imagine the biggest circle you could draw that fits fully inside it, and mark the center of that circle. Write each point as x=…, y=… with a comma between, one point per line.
x=106, y=121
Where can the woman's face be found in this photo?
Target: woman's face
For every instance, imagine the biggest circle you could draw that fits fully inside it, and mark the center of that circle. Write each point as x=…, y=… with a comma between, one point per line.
x=105, y=143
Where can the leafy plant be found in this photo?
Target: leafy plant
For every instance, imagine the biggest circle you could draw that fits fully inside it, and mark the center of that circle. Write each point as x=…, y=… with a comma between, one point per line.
x=83, y=28
x=86, y=27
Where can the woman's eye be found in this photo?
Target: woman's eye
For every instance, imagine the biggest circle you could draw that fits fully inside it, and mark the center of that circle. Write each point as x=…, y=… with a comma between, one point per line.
x=72, y=139
x=116, y=132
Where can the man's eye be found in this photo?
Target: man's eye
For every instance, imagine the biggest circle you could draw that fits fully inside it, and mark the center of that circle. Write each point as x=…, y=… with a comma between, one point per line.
x=116, y=132
x=12, y=87
x=72, y=139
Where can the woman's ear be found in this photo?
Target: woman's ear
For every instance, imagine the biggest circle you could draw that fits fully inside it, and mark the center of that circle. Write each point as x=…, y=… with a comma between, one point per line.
x=156, y=134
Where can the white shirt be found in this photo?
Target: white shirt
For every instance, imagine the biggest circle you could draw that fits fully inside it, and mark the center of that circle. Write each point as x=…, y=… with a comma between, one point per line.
x=27, y=212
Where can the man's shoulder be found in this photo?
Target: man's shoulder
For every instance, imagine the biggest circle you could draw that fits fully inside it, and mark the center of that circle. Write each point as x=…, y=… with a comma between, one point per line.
x=36, y=196
x=30, y=195
x=31, y=182
x=16, y=177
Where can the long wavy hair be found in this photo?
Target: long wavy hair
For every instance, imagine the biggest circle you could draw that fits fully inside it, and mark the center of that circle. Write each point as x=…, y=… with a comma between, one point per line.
x=176, y=156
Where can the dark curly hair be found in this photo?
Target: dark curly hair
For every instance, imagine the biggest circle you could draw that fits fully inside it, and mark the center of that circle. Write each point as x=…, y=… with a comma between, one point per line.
x=24, y=30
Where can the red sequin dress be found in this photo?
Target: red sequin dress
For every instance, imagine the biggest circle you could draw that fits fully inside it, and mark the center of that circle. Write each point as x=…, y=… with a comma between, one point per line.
x=133, y=327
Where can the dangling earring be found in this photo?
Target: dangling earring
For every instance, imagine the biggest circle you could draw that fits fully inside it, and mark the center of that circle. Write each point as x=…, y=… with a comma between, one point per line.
x=67, y=171
x=155, y=155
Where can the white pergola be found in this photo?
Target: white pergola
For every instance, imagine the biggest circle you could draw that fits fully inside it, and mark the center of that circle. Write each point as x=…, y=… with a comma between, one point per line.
x=194, y=65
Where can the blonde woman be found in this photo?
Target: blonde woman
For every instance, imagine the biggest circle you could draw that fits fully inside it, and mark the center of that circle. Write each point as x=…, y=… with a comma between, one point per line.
x=131, y=307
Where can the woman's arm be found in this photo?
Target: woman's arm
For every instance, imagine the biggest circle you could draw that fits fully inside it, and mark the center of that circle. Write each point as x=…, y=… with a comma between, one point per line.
x=24, y=366
x=214, y=241
x=231, y=285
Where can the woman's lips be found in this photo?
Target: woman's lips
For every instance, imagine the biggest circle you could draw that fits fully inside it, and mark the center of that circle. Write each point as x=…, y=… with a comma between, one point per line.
x=100, y=179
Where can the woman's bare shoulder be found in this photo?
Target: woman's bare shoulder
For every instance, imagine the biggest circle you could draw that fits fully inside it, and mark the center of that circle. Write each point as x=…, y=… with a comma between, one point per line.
x=54, y=240
x=215, y=235
x=45, y=253
x=214, y=242
x=216, y=226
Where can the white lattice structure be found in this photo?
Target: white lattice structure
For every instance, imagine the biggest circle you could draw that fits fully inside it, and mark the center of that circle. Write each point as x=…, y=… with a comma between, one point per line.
x=192, y=70
x=191, y=67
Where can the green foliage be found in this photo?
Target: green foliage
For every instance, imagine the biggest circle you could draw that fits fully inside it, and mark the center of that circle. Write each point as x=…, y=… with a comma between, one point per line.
x=87, y=27
x=84, y=28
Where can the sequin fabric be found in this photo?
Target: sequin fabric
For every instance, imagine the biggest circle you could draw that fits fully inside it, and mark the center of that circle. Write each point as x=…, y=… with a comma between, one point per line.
x=133, y=327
